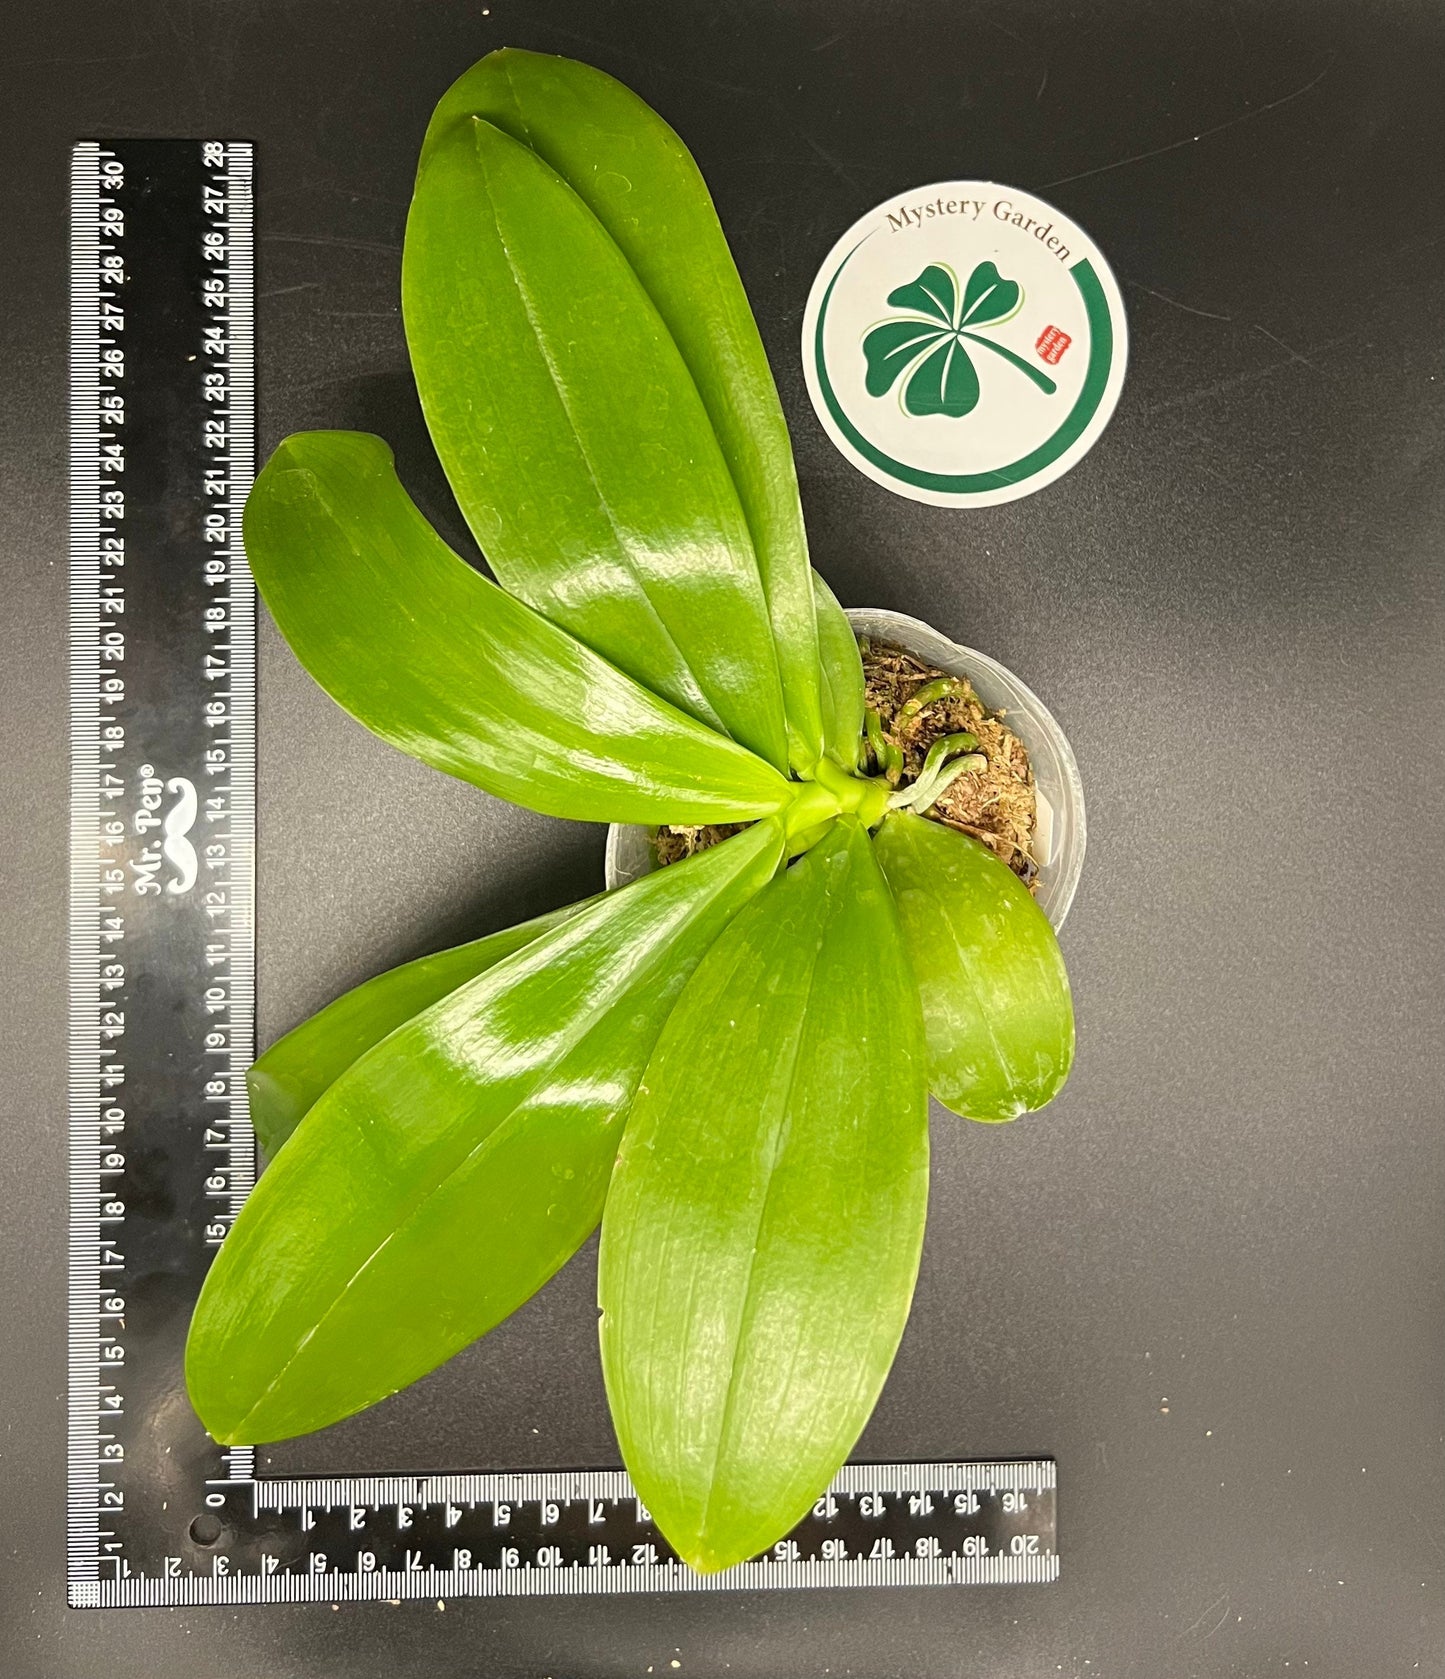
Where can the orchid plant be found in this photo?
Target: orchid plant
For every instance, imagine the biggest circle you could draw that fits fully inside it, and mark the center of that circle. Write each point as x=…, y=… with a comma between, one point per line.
x=727, y=1063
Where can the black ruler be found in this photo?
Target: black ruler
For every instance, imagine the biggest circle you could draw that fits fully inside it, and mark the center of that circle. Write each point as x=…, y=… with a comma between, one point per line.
x=163, y=708
x=162, y=818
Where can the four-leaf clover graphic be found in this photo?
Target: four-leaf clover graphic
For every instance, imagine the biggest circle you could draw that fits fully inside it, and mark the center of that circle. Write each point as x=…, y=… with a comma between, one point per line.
x=925, y=346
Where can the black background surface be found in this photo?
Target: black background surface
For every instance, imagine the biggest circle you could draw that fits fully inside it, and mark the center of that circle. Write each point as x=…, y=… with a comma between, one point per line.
x=1208, y=1280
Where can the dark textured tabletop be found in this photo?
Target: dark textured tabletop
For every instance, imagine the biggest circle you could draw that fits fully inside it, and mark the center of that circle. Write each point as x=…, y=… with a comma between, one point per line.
x=1208, y=1279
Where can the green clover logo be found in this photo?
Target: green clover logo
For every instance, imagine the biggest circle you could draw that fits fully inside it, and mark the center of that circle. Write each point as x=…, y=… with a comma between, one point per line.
x=925, y=347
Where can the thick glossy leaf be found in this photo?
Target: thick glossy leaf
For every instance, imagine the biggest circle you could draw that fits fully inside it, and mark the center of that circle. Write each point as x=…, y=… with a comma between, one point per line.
x=944, y=382
x=995, y=995
x=435, y=658
x=843, y=700
x=988, y=296
x=453, y=1168
x=574, y=437
x=640, y=181
x=762, y=1233
x=933, y=293
x=891, y=348
x=297, y=1070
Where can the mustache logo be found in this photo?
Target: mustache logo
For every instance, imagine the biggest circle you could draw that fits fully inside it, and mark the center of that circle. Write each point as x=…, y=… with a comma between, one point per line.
x=178, y=850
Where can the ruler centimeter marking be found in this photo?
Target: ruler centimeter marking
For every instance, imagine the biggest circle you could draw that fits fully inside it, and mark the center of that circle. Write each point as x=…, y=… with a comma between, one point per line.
x=162, y=1156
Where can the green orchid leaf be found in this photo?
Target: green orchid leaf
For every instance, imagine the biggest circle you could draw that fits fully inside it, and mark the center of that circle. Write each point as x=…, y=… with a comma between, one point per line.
x=933, y=293
x=575, y=439
x=453, y=1168
x=891, y=348
x=762, y=1233
x=430, y=655
x=944, y=382
x=995, y=994
x=843, y=702
x=299, y=1068
x=639, y=180
x=988, y=296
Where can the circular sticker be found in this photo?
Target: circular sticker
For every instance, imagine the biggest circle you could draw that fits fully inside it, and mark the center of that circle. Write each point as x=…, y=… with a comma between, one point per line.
x=964, y=344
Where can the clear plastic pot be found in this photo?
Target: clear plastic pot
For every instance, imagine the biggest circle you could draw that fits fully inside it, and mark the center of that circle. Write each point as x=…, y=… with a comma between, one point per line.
x=1061, y=832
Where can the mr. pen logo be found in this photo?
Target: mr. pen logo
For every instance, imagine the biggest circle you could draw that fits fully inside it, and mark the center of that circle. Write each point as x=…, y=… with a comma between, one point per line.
x=924, y=345
x=175, y=823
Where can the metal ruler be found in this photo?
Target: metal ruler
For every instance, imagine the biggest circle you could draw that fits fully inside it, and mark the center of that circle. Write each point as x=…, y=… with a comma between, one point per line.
x=163, y=707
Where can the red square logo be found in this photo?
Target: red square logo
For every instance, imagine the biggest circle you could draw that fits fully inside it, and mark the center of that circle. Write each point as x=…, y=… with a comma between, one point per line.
x=1052, y=343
